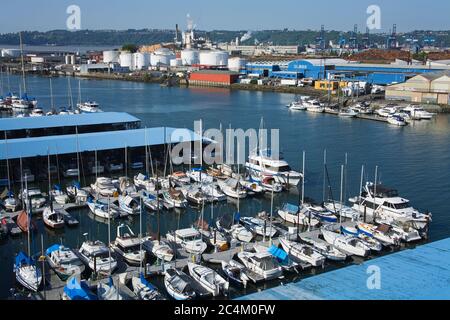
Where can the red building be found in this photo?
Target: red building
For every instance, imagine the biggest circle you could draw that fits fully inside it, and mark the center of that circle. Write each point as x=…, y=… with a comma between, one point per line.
x=213, y=78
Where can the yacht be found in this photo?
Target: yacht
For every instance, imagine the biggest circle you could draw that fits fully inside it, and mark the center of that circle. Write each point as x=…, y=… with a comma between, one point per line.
x=96, y=255
x=418, y=113
x=189, y=239
x=64, y=261
x=262, y=163
x=129, y=205
x=10, y=202
x=385, y=204
x=303, y=252
x=292, y=214
x=22, y=104
x=259, y=226
x=271, y=184
x=53, y=218
x=235, y=273
x=232, y=188
x=89, y=107
x=104, y=187
x=262, y=263
x=297, y=105
x=387, y=111
x=348, y=244
x=28, y=274
x=347, y=113
x=314, y=106
x=397, y=120
x=128, y=246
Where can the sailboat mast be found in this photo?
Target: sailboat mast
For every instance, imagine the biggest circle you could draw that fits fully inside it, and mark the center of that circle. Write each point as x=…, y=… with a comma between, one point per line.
x=78, y=155
x=303, y=180
x=27, y=208
x=146, y=153
x=361, y=188
x=51, y=95
x=140, y=235
x=342, y=194
x=109, y=234
x=95, y=165
x=324, y=174
x=23, y=63
x=7, y=162
x=48, y=171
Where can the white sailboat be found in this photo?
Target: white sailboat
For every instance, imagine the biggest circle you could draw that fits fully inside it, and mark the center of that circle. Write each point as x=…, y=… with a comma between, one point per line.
x=303, y=252
x=189, y=239
x=348, y=244
x=208, y=279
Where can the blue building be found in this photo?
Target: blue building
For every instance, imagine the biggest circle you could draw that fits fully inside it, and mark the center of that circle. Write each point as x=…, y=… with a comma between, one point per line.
x=262, y=69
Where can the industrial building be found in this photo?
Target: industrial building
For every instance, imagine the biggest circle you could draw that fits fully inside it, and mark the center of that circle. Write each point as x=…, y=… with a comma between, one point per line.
x=259, y=50
x=215, y=78
x=425, y=88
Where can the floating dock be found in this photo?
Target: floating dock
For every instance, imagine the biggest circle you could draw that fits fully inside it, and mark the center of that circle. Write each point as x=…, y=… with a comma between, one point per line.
x=421, y=273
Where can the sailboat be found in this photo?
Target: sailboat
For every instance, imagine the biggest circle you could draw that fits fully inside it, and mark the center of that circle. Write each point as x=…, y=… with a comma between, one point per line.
x=303, y=252
x=208, y=279
x=53, y=218
x=235, y=272
x=179, y=285
x=108, y=291
x=345, y=243
x=86, y=107
x=24, y=102
x=75, y=290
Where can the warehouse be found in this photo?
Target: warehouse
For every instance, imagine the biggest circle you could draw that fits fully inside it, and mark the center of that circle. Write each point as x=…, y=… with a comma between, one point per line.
x=425, y=88
x=215, y=78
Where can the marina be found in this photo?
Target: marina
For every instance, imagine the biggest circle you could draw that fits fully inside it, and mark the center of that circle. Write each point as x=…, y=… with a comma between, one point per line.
x=93, y=227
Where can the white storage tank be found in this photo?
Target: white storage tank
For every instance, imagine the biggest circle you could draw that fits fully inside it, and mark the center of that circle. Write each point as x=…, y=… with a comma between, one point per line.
x=73, y=59
x=190, y=57
x=162, y=57
x=126, y=60
x=214, y=58
x=140, y=61
x=236, y=64
x=67, y=59
x=111, y=56
x=176, y=63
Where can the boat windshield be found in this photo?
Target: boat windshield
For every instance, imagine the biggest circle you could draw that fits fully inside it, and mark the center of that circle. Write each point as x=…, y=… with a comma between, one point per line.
x=403, y=205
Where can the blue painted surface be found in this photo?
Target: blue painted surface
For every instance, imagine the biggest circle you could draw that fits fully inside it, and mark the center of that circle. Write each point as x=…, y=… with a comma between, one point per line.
x=67, y=144
x=422, y=273
x=65, y=120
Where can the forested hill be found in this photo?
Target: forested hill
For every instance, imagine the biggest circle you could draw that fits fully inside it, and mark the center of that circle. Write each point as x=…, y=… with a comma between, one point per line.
x=151, y=36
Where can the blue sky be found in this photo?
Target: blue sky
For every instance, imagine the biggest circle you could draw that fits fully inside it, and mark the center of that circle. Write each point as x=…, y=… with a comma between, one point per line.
x=45, y=15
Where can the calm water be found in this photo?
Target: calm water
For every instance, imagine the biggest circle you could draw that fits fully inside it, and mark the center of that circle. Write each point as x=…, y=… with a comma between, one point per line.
x=414, y=159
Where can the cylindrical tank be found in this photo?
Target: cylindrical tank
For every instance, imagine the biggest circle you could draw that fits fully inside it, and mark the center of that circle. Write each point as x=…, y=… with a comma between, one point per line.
x=190, y=57
x=67, y=59
x=162, y=57
x=141, y=61
x=73, y=59
x=176, y=63
x=126, y=60
x=236, y=64
x=214, y=58
x=111, y=56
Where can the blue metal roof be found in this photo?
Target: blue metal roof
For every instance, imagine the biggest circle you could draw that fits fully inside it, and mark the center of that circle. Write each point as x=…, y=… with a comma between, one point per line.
x=82, y=119
x=416, y=274
x=67, y=144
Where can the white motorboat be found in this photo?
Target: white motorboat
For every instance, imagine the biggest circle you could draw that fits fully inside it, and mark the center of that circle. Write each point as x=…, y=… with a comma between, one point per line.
x=347, y=113
x=269, y=184
x=10, y=202
x=59, y=195
x=386, y=204
x=27, y=272
x=406, y=231
x=259, y=226
x=208, y=279
x=362, y=108
x=418, y=113
x=342, y=210
x=239, y=232
x=397, y=120
x=314, y=106
x=35, y=196
x=144, y=290
x=150, y=201
x=180, y=178
x=232, y=188
x=129, y=205
x=212, y=236
x=143, y=182
x=64, y=261
x=102, y=210
x=178, y=285
x=263, y=163
x=297, y=105
x=53, y=218
x=89, y=107
x=387, y=111
x=104, y=187
x=383, y=233
x=370, y=242
x=262, y=263
x=76, y=192
x=189, y=239
x=37, y=112
x=325, y=249
x=175, y=198
x=213, y=192
x=320, y=213
x=96, y=255
x=235, y=273
x=159, y=249
x=252, y=187
x=128, y=245
x=303, y=252
x=348, y=244
x=291, y=213
x=127, y=187
x=197, y=175
x=195, y=195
